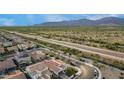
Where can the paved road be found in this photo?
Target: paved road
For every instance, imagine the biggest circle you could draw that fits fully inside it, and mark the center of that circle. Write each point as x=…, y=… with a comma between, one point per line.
x=84, y=48
x=86, y=68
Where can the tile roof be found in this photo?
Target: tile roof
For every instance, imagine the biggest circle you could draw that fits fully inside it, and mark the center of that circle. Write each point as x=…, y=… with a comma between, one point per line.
x=37, y=54
x=37, y=67
x=8, y=63
x=52, y=65
x=12, y=48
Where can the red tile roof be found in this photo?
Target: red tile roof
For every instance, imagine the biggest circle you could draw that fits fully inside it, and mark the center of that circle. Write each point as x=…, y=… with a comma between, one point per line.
x=54, y=66
x=37, y=67
x=8, y=63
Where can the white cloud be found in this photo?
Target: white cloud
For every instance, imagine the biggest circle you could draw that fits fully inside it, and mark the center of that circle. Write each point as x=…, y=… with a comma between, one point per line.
x=6, y=22
x=99, y=16
x=54, y=18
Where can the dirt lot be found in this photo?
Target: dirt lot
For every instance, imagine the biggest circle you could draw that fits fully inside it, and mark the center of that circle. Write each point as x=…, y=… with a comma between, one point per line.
x=109, y=72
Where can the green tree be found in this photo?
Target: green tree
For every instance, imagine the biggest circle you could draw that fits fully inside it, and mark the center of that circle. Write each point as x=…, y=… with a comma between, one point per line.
x=70, y=71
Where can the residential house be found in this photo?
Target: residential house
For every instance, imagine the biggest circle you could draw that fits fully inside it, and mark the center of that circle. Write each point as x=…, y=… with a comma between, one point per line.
x=45, y=69
x=55, y=66
x=23, y=59
x=22, y=47
x=7, y=66
x=17, y=40
x=2, y=39
x=38, y=70
x=26, y=45
x=37, y=56
x=12, y=49
x=30, y=45
x=7, y=44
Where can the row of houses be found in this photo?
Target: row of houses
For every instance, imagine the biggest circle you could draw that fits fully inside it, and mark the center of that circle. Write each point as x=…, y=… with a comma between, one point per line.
x=11, y=37
x=36, y=65
x=15, y=44
x=28, y=61
x=10, y=44
x=21, y=60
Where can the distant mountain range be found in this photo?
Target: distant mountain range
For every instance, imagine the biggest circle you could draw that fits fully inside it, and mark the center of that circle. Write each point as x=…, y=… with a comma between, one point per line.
x=107, y=21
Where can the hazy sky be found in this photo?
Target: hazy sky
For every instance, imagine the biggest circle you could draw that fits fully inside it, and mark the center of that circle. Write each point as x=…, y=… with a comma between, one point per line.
x=29, y=19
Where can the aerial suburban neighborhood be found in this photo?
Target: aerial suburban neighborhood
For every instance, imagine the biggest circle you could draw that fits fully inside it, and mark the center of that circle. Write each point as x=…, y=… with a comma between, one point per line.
x=73, y=49
x=24, y=59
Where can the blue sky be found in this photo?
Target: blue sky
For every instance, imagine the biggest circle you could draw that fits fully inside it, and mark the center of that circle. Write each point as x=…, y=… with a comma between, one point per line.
x=29, y=19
